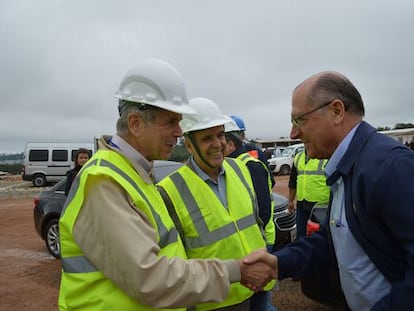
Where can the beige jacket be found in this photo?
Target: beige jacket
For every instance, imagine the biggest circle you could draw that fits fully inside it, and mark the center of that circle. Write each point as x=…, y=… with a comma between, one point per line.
x=119, y=240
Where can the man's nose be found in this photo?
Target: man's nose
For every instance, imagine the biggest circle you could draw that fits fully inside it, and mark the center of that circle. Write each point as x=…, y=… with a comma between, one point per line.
x=178, y=132
x=294, y=132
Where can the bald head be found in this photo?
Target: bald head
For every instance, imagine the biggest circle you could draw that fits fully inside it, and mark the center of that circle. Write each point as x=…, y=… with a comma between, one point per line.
x=325, y=108
x=330, y=85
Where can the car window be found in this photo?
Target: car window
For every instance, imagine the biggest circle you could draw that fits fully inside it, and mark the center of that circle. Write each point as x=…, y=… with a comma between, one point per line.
x=38, y=155
x=287, y=152
x=164, y=168
x=60, y=186
x=59, y=155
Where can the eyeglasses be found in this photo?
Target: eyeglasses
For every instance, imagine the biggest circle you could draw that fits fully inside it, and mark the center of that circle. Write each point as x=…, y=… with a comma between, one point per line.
x=298, y=121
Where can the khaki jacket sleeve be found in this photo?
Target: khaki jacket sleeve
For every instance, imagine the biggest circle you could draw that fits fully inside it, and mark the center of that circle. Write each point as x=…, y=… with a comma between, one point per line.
x=120, y=242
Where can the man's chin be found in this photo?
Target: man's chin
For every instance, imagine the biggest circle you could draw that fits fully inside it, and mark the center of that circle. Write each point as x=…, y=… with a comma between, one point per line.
x=315, y=155
x=311, y=153
x=165, y=156
x=217, y=161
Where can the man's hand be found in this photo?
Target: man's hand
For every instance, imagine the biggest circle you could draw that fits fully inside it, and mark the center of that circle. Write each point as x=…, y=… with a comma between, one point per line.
x=291, y=207
x=257, y=269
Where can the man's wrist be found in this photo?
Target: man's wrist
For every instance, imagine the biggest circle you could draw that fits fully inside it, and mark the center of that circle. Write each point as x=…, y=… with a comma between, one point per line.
x=234, y=269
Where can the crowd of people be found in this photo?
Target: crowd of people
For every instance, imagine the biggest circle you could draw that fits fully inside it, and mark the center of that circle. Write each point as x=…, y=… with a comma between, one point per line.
x=202, y=238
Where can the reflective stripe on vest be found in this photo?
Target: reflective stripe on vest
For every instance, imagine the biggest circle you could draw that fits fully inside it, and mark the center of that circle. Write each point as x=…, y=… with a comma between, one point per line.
x=206, y=236
x=269, y=228
x=309, y=171
x=83, y=287
x=75, y=185
x=245, y=157
x=311, y=179
x=80, y=264
x=211, y=230
x=234, y=166
x=77, y=264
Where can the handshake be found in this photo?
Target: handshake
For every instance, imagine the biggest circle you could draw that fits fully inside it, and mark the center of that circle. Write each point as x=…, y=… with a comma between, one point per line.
x=257, y=269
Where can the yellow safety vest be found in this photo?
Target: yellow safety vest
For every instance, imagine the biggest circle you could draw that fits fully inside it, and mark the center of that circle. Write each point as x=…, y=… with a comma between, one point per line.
x=270, y=229
x=83, y=287
x=212, y=230
x=311, y=180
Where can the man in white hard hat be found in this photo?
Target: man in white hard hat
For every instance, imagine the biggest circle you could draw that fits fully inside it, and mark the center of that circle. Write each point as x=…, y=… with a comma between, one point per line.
x=119, y=247
x=213, y=200
x=262, y=184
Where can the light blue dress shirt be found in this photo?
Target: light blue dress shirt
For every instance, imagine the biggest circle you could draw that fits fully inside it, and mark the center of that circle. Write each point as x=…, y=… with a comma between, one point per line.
x=362, y=283
x=218, y=187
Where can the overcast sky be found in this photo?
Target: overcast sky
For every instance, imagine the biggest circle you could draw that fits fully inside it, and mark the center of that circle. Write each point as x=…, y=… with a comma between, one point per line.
x=62, y=61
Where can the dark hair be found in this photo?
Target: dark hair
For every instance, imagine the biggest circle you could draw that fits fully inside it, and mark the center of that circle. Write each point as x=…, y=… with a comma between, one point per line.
x=330, y=86
x=235, y=138
x=78, y=152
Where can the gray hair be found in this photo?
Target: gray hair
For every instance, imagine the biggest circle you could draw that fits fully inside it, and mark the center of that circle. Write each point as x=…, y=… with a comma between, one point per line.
x=147, y=112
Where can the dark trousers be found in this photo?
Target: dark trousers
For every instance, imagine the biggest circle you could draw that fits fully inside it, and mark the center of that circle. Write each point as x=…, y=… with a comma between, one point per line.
x=262, y=301
x=303, y=210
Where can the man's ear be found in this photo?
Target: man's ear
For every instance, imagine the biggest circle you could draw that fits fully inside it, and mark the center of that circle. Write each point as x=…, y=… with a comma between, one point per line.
x=135, y=123
x=338, y=110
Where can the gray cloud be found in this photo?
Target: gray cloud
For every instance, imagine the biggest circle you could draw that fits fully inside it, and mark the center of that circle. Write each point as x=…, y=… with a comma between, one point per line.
x=62, y=60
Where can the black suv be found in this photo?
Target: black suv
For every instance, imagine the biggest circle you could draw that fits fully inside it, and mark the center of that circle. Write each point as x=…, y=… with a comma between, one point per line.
x=49, y=203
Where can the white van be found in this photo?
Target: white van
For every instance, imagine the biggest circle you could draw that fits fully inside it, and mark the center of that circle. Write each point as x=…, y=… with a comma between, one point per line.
x=283, y=163
x=49, y=161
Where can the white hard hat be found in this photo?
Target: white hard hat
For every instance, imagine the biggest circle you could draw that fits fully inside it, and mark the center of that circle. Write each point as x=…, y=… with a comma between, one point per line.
x=231, y=126
x=156, y=83
x=207, y=115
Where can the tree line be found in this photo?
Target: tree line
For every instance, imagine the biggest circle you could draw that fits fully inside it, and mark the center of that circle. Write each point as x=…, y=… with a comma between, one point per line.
x=11, y=156
x=397, y=126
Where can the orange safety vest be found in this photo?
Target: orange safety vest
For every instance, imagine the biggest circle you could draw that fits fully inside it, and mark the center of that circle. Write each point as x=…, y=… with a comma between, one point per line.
x=254, y=153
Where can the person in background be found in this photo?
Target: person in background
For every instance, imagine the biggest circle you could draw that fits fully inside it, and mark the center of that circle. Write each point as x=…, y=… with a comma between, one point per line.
x=307, y=184
x=212, y=199
x=412, y=144
x=81, y=157
x=261, y=179
x=119, y=247
x=368, y=236
x=249, y=147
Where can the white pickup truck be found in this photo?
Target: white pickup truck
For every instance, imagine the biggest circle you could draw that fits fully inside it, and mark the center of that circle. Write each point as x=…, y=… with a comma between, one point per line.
x=283, y=164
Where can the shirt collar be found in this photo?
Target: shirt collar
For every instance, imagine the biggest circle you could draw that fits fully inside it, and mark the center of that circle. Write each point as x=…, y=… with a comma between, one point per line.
x=200, y=172
x=339, y=152
x=138, y=161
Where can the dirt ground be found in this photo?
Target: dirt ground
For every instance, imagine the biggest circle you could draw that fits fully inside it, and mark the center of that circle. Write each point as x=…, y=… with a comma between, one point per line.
x=30, y=276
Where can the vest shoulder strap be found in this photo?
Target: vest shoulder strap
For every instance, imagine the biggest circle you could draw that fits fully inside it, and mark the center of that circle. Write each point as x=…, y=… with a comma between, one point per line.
x=173, y=213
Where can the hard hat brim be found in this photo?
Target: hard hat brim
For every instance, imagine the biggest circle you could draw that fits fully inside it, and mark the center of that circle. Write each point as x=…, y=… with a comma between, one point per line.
x=223, y=120
x=177, y=108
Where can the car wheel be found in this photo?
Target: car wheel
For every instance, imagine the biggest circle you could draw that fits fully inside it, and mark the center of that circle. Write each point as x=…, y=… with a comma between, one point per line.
x=39, y=180
x=285, y=170
x=52, y=238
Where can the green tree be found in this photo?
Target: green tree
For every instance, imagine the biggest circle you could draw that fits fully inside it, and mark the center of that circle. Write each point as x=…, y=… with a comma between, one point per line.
x=13, y=169
x=385, y=128
x=403, y=126
x=179, y=154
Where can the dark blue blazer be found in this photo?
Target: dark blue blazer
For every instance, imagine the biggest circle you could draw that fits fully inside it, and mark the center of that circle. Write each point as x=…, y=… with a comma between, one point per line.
x=378, y=174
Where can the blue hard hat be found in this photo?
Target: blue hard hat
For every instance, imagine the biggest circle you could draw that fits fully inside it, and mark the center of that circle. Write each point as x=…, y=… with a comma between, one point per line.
x=240, y=123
